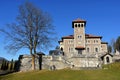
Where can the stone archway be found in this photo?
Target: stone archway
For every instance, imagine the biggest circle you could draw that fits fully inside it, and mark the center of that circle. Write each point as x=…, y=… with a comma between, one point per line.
x=107, y=58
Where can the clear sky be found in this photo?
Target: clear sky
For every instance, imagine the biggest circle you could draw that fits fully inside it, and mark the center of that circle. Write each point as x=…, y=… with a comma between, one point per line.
x=102, y=16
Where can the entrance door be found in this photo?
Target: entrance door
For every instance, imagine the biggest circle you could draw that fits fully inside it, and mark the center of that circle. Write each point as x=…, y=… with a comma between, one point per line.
x=79, y=51
x=107, y=60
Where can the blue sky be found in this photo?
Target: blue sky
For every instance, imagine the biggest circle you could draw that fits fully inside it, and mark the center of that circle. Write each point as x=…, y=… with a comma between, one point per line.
x=102, y=16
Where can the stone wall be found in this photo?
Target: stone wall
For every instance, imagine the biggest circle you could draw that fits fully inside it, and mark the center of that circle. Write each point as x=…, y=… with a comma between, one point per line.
x=85, y=62
x=47, y=62
x=57, y=61
x=26, y=63
x=61, y=62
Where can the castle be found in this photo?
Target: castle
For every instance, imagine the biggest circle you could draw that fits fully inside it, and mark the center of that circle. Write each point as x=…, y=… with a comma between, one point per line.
x=77, y=51
x=80, y=42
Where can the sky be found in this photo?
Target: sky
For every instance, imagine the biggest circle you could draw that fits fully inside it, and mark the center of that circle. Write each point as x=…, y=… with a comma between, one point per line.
x=102, y=16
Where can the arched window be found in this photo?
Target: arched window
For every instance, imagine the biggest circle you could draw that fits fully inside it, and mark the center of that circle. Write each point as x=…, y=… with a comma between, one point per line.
x=75, y=25
x=82, y=25
x=107, y=59
x=78, y=25
x=61, y=49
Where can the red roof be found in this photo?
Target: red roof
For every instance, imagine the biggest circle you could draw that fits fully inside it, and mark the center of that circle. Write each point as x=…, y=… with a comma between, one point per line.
x=92, y=36
x=79, y=47
x=68, y=37
x=86, y=35
x=78, y=20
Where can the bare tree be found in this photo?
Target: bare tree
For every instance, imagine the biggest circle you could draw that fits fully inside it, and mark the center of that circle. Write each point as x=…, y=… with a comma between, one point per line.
x=33, y=29
x=118, y=43
x=109, y=48
x=113, y=45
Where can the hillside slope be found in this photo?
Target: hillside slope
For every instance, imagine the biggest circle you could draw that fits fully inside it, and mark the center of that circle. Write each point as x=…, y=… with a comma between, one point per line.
x=110, y=72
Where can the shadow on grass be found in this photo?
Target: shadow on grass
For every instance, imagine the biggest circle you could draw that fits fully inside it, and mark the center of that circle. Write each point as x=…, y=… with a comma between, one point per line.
x=6, y=72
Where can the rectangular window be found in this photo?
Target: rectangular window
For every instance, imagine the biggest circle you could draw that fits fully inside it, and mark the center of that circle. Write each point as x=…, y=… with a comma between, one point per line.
x=88, y=41
x=70, y=42
x=96, y=49
x=96, y=41
x=70, y=49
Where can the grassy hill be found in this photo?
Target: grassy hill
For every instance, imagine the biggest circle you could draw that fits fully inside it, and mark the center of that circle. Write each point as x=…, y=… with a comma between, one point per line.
x=110, y=72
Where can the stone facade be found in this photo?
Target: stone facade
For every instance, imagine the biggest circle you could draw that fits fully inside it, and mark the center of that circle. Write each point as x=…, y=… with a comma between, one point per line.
x=25, y=62
x=85, y=61
x=80, y=50
x=80, y=42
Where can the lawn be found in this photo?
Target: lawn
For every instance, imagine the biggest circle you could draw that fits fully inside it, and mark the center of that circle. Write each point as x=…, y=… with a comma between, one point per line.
x=110, y=72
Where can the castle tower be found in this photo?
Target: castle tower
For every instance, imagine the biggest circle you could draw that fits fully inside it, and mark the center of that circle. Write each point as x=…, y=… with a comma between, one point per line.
x=79, y=36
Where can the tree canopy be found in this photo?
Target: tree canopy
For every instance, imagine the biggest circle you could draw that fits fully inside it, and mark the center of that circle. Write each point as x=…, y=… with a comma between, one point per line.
x=33, y=29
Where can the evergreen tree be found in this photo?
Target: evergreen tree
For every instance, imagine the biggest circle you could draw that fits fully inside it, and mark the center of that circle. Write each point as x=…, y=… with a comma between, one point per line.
x=2, y=65
x=118, y=44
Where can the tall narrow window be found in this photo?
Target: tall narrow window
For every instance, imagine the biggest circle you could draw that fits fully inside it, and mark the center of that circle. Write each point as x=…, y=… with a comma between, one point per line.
x=88, y=49
x=69, y=49
x=96, y=49
x=61, y=49
x=71, y=41
x=79, y=37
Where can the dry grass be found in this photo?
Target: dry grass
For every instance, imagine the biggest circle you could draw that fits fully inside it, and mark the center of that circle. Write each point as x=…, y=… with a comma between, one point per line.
x=110, y=72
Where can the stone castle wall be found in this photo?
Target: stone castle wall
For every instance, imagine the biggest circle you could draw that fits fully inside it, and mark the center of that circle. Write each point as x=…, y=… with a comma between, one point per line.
x=58, y=62
x=26, y=63
x=86, y=62
x=47, y=62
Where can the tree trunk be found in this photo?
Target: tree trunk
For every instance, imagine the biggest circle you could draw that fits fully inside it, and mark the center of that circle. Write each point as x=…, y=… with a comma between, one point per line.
x=33, y=59
x=33, y=62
